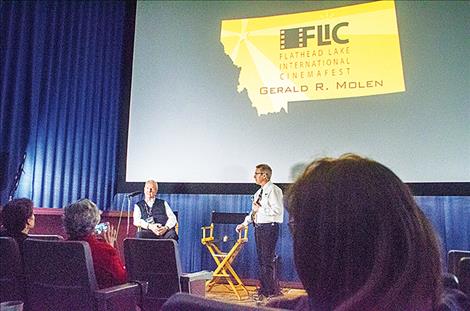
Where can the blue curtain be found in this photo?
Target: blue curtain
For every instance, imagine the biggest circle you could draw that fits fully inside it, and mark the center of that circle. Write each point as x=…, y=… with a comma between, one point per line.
x=61, y=82
x=450, y=217
x=16, y=44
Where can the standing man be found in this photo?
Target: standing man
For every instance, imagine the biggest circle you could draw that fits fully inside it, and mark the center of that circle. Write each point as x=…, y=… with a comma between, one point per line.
x=154, y=216
x=266, y=214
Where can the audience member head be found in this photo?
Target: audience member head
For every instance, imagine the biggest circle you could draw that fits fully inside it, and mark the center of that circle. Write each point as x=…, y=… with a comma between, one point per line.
x=18, y=216
x=80, y=218
x=360, y=240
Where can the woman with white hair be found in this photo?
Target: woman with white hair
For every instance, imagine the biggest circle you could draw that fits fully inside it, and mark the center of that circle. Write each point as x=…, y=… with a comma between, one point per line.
x=80, y=219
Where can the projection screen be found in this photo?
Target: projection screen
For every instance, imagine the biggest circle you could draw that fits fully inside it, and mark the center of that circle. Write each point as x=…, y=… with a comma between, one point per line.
x=220, y=86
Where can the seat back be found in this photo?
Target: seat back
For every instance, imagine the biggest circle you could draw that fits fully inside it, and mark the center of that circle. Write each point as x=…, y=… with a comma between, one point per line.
x=463, y=274
x=158, y=263
x=453, y=258
x=11, y=270
x=59, y=275
x=450, y=281
x=53, y=237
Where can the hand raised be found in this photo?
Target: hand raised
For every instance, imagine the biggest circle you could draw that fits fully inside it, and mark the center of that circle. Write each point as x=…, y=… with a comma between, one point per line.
x=110, y=235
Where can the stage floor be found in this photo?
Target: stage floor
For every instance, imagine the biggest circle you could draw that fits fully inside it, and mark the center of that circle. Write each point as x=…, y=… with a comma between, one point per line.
x=225, y=294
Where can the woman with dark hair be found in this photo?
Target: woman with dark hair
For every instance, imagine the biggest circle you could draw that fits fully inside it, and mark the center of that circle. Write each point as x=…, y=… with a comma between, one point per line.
x=360, y=240
x=80, y=219
x=18, y=219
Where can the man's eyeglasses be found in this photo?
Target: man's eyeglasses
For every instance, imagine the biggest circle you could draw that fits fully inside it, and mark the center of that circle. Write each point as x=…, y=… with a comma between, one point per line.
x=258, y=174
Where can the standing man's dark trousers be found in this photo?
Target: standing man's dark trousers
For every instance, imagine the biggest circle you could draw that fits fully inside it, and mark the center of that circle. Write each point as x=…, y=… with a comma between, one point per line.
x=148, y=234
x=266, y=236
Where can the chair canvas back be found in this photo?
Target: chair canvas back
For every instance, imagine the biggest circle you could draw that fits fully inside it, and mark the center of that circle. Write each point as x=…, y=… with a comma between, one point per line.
x=158, y=263
x=59, y=275
x=11, y=270
x=224, y=228
x=227, y=218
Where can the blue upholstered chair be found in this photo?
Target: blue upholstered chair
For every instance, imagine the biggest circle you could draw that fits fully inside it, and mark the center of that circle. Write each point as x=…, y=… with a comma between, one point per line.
x=60, y=276
x=158, y=263
x=463, y=274
x=453, y=258
x=11, y=272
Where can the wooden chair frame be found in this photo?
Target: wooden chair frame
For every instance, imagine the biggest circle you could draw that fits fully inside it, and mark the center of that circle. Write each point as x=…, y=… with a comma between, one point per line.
x=224, y=260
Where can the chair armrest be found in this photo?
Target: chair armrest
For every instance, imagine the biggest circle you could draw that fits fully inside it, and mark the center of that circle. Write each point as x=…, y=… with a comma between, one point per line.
x=130, y=288
x=243, y=234
x=204, y=233
x=195, y=282
x=199, y=275
x=105, y=297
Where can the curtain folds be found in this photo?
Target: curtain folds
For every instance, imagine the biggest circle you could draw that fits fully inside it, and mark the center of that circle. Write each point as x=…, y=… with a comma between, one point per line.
x=61, y=73
x=450, y=217
x=16, y=40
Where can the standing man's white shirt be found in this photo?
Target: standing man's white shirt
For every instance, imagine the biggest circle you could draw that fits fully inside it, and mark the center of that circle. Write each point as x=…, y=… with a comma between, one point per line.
x=272, y=206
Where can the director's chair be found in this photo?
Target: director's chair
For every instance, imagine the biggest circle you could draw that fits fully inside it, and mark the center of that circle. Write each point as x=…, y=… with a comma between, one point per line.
x=224, y=260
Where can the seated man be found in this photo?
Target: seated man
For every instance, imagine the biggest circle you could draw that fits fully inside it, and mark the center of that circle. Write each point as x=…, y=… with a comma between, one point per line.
x=154, y=216
x=18, y=218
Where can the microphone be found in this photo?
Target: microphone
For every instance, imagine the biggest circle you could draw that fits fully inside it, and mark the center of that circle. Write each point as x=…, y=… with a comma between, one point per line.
x=133, y=194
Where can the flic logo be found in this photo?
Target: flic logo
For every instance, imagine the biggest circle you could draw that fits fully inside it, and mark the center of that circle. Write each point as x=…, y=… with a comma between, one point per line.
x=298, y=37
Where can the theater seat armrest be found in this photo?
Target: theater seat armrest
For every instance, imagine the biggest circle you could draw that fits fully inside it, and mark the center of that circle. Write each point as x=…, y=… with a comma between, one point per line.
x=132, y=288
x=195, y=282
x=199, y=275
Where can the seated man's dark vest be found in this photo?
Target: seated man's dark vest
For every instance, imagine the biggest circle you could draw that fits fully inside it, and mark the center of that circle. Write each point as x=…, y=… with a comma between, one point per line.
x=157, y=211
